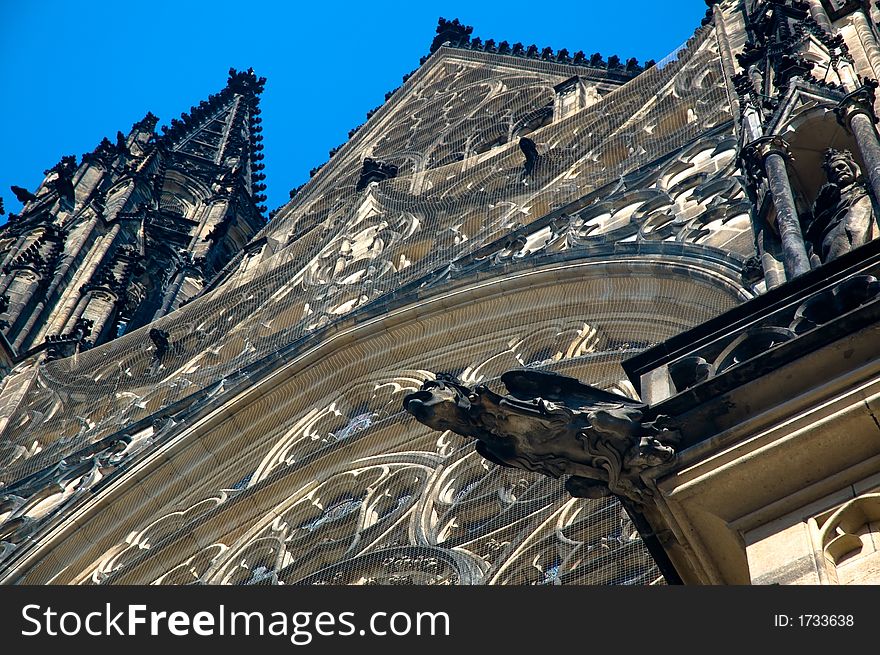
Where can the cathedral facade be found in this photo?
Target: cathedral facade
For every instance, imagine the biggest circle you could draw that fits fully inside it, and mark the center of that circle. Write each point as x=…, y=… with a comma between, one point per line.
x=545, y=318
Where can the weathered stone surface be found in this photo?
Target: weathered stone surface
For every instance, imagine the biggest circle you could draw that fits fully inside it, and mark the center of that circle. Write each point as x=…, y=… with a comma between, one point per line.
x=523, y=207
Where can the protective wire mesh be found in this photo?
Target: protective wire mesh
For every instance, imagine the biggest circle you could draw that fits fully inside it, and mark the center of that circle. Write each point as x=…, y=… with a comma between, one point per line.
x=372, y=496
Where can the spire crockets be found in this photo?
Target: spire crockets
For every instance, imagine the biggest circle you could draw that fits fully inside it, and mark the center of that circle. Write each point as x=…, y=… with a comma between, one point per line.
x=217, y=148
x=225, y=131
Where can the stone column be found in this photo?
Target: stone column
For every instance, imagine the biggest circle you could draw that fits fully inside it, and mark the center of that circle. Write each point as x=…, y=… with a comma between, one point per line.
x=188, y=274
x=817, y=11
x=24, y=284
x=856, y=113
x=867, y=40
x=70, y=296
x=99, y=306
x=772, y=152
x=727, y=58
x=768, y=251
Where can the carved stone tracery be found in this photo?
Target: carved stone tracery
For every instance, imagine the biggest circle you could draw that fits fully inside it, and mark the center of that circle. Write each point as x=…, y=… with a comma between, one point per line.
x=443, y=220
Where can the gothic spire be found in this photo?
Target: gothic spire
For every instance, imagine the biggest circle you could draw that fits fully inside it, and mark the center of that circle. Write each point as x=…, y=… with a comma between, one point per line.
x=225, y=131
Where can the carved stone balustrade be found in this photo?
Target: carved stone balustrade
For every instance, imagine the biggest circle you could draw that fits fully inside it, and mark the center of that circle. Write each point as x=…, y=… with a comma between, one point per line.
x=765, y=333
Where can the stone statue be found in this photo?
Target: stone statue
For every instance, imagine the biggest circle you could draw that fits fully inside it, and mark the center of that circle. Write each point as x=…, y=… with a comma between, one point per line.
x=553, y=425
x=843, y=216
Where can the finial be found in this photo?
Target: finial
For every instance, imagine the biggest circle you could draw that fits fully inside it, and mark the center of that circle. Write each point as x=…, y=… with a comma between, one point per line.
x=245, y=82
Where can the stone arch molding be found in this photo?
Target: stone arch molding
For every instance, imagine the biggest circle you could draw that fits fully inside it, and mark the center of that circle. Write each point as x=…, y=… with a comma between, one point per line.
x=254, y=475
x=690, y=204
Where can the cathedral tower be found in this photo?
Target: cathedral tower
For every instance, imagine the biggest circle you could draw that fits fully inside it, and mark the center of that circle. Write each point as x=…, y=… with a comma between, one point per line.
x=134, y=229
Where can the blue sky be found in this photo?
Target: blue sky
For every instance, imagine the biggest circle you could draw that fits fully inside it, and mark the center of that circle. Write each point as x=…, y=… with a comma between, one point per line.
x=74, y=72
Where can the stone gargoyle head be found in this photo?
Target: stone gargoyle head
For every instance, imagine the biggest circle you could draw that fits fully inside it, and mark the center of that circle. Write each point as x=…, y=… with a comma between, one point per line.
x=548, y=423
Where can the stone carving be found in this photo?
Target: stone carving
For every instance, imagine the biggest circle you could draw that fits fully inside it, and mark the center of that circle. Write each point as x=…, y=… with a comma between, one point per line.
x=533, y=157
x=471, y=502
x=752, y=270
x=452, y=32
x=779, y=31
x=65, y=345
x=553, y=425
x=828, y=305
x=105, y=152
x=160, y=341
x=846, y=302
x=689, y=371
x=752, y=342
x=375, y=171
x=27, y=503
x=850, y=531
x=41, y=256
x=62, y=182
x=22, y=194
x=843, y=218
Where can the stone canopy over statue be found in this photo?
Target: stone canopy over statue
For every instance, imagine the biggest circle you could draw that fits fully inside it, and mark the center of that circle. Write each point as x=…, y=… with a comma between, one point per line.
x=553, y=425
x=843, y=217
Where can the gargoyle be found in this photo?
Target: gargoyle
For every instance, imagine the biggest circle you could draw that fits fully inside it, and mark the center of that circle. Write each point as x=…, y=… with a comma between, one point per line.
x=553, y=425
x=374, y=170
x=22, y=194
x=160, y=341
x=530, y=150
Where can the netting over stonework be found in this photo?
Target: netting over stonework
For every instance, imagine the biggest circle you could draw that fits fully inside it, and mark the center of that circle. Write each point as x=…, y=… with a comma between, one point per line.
x=267, y=441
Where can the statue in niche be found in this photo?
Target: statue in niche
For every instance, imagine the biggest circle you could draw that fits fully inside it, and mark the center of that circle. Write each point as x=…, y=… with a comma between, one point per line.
x=554, y=425
x=843, y=215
